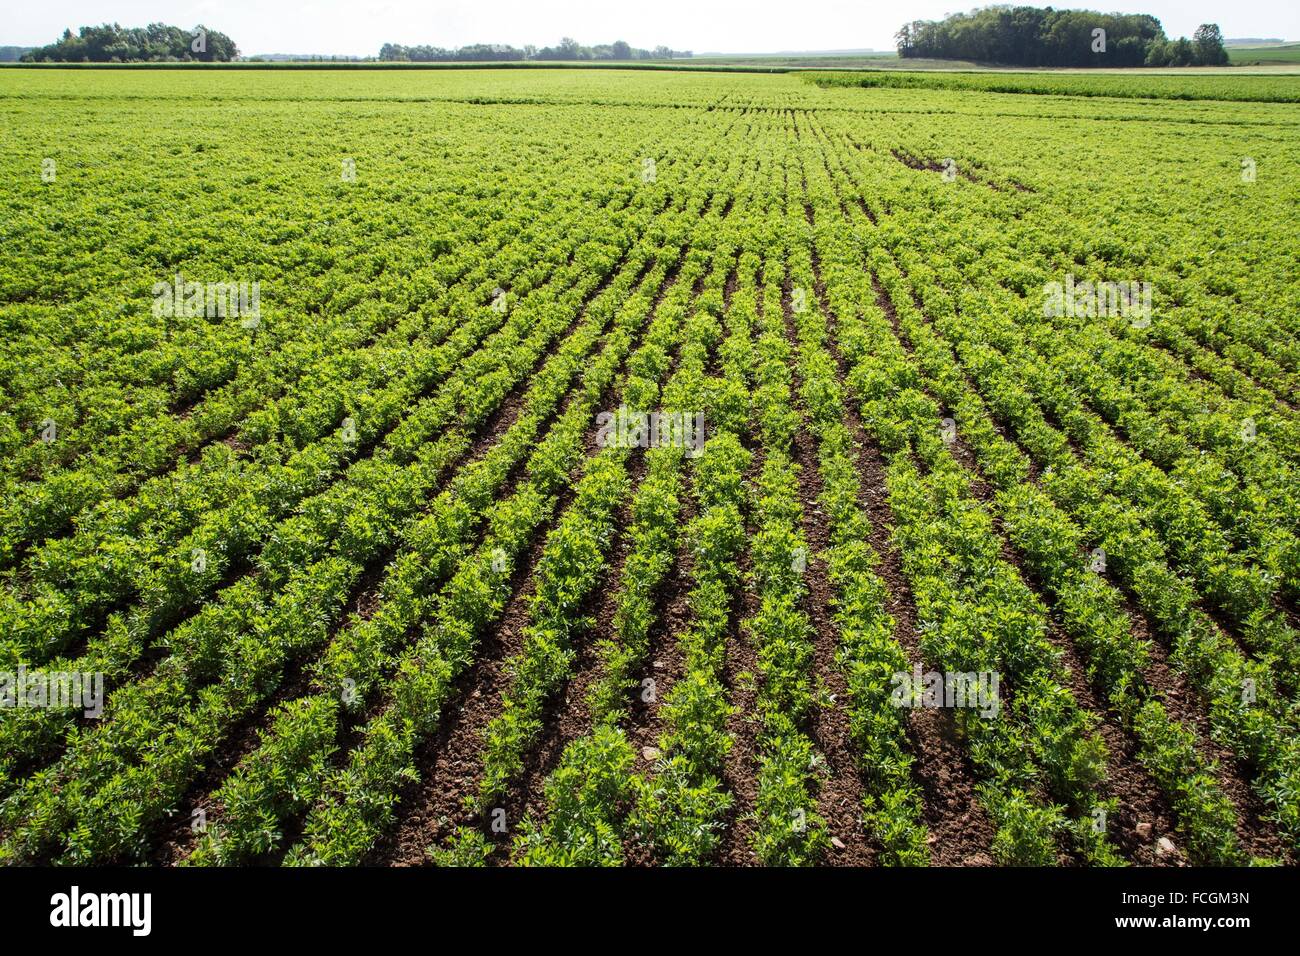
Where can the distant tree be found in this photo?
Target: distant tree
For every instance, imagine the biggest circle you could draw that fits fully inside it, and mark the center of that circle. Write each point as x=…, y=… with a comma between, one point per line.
x=1159, y=53
x=568, y=49
x=1208, y=43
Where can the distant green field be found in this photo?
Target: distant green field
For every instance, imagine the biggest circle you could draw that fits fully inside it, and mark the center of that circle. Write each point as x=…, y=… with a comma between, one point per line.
x=1264, y=55
x=1183, y=86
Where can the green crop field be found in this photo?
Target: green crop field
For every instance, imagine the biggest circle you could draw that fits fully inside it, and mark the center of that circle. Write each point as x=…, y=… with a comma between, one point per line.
x=1286, y=54
x=533, y=467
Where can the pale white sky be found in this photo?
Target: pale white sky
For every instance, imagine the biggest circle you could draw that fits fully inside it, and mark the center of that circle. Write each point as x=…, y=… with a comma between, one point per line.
x=360, y=27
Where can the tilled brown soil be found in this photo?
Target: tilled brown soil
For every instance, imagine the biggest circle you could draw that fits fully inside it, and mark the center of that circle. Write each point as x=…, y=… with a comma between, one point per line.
x=666, y=663
x=841, y=794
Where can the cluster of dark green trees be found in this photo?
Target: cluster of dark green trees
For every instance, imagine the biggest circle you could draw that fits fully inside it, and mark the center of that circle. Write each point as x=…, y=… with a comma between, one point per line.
x=567, y=49
x=1205, y=48
x=111, y=43
x=1033, y=36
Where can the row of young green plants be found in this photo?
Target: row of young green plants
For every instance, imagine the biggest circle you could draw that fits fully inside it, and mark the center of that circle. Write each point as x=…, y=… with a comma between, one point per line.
x=1221, y=455
x=90, y=557
x=868, y=653
x=789, y=830
x=1091, y=613
x=1089, y=607
x=1216, y=275
x=592, y=791
x=745, y=506
x=674, y=815
x=511, y=734
x=179, y=500
x=1091, y=610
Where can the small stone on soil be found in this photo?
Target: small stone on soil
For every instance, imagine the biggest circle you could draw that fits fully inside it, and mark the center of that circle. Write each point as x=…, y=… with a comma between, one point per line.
x=650, y=753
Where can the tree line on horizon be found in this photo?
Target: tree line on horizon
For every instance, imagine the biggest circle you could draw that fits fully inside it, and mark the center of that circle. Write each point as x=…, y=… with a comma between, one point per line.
x=566, y=49
x=158, y=42
x=1034, y=36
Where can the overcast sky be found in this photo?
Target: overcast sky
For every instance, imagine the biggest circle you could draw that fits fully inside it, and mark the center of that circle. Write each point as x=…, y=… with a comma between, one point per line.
x=360, y=27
